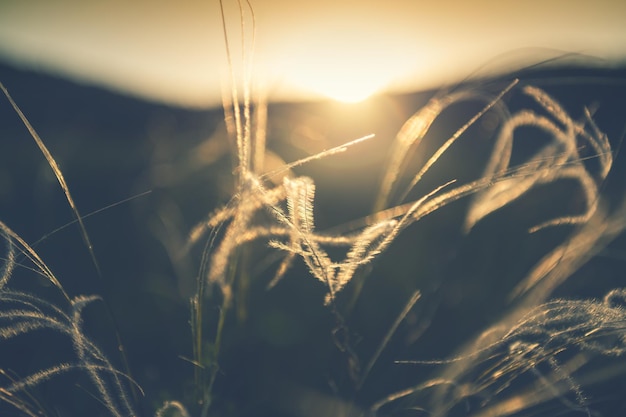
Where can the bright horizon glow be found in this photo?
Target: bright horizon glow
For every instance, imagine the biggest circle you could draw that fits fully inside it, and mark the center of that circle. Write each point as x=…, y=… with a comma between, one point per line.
x=345, y=91
x=338, y=49
x=341, y=67
x=347, y=84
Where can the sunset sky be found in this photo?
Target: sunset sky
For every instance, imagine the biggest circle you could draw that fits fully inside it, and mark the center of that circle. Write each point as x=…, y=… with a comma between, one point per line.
x=342, y=49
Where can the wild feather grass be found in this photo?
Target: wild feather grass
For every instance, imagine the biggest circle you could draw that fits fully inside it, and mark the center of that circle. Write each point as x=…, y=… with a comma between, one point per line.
x=24, y=313
x=541, y=336
x=528, y=355
x=291, y=228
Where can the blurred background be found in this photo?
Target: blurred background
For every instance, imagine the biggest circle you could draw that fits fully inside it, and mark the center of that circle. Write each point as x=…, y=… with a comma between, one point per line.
x=126, y=96
x=174, y=52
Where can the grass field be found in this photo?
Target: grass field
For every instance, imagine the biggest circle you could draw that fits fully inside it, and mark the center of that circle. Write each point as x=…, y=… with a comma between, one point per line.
x=227, y=284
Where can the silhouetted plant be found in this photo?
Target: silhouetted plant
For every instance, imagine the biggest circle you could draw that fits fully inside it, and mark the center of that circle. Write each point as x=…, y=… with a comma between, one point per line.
x=528, y=341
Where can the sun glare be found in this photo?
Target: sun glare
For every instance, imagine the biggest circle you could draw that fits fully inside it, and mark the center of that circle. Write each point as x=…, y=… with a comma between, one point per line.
x=343, y=90
x=344, y=80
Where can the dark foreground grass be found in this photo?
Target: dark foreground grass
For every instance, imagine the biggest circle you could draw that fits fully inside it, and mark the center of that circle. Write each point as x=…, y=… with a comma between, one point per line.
x=472, y=264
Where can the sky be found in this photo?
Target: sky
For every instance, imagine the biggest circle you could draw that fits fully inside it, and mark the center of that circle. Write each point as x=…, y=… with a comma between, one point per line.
x=174, y=52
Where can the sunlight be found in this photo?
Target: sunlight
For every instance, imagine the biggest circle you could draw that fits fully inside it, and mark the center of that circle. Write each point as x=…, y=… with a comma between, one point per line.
x=344, y=69
x=345, y=89
x=347, y=92
x=340, y=50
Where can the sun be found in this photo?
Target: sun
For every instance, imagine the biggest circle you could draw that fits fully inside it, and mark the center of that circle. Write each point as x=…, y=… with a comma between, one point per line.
x=331, y=65
x=344, y=90
x=348, y=81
